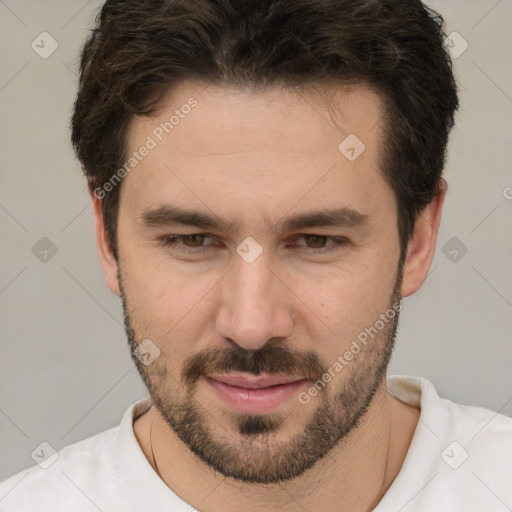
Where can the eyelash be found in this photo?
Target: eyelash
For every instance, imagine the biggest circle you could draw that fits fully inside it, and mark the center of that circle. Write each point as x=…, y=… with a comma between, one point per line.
x=173, y=242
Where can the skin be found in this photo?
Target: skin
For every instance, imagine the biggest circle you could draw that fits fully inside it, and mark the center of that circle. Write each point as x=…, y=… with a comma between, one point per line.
x=250, y=156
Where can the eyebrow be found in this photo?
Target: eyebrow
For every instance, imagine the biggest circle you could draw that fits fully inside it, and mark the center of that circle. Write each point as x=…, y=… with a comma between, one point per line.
x=173, y=215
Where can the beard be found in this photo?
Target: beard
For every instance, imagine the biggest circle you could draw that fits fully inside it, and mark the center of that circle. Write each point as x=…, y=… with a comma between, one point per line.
x=255, y=451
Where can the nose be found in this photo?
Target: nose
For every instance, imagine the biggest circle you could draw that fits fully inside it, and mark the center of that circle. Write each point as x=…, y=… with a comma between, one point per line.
x=255, y=306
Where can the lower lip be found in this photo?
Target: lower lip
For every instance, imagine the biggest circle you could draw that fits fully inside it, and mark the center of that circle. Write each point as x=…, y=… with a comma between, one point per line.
x=255, y=401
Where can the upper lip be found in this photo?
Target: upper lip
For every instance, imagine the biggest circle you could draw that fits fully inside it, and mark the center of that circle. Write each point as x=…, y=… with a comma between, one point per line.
x=253, y=381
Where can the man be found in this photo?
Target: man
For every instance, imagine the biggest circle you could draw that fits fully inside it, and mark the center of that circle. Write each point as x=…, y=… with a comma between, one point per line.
x=267, y=185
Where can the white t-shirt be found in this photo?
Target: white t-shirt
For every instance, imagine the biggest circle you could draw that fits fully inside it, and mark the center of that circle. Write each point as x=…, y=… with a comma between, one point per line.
x=460, y=459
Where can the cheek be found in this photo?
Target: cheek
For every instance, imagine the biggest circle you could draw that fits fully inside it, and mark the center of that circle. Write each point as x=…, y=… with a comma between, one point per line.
x=345, y=301
x=166, y=301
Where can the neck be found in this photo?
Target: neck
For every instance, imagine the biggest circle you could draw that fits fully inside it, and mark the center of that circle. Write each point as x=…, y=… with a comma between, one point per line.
x=353, y=476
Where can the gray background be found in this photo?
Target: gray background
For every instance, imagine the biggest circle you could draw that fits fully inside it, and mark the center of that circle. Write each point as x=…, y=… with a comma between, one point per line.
x=65, y=371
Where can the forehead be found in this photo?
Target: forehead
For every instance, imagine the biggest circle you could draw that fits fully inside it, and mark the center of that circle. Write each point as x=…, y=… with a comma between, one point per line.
x=259, y=151
x=302, y=117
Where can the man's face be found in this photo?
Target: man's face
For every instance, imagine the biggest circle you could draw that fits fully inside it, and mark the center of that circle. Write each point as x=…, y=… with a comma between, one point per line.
x=284, y=303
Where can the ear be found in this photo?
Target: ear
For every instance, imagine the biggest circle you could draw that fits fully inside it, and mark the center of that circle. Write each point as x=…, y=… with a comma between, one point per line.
x=422, y=245
x=107, y=258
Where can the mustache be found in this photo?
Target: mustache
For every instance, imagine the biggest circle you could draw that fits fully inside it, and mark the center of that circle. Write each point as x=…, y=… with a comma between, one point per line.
x=268, y=359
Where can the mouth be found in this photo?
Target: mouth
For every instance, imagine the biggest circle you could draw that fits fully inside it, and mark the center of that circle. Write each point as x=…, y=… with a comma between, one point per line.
x=253, y=394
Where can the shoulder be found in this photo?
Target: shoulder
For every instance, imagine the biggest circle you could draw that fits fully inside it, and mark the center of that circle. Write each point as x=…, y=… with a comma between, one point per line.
x=87, y=475
x=468, y=423
x=459, y=458
x=482, y=434
x=66, y=477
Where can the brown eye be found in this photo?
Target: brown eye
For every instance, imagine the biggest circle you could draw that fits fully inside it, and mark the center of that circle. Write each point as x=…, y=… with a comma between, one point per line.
x=194, y=240
x=319, y=244
x=191, y=243
x=315, y=241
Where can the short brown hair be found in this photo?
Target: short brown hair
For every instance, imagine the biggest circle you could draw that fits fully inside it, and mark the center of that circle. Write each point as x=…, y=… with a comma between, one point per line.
x=141, y=48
